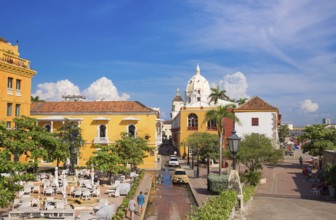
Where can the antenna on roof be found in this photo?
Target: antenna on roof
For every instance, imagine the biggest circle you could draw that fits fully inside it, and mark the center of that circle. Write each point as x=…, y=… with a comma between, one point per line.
x=73, y=98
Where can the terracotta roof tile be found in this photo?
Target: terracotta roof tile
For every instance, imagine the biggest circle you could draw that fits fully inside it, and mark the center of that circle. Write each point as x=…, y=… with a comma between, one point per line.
x=88, y=107
x=256, y=103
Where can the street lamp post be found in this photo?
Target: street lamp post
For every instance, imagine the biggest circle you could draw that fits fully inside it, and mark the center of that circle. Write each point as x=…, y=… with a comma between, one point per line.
x=188, y=155
x=234, y=142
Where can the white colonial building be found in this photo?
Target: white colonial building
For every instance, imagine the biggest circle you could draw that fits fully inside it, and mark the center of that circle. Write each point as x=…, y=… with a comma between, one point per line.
x=257, y=116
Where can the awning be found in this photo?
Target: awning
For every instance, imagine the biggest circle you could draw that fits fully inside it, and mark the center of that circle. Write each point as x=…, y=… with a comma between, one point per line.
x=101, y=119
x=131, y=119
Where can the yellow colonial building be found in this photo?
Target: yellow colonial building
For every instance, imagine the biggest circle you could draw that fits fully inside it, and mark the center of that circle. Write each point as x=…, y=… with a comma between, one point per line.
x=15, y=83
x=102, y=122
x=188, y=114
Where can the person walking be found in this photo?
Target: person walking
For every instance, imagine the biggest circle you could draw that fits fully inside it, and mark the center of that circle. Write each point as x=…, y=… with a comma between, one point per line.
x=301, y=161
x=131, y=207
x=141, y=202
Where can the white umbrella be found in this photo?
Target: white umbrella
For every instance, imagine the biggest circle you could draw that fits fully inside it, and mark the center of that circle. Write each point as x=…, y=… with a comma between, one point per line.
x=105, y=213
x=92, y=175
x=56, y=176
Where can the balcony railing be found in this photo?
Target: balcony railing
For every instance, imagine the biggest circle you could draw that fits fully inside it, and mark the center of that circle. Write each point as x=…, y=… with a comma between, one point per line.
x=9, y=91
x=18, y=92
x=193, y=128
x=101, y=140
x=15, y=60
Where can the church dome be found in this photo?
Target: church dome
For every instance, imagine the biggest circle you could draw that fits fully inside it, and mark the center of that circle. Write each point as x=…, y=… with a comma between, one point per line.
x=198, y=88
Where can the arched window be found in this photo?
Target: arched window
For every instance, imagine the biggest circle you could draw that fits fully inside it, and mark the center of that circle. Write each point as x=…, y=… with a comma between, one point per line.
x=48, y=127
x=192, y=122
x=211, y=125
x=131, y=131
x=102, y=131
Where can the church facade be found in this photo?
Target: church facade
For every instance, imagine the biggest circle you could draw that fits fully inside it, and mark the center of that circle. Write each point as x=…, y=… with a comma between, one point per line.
x=188, y=115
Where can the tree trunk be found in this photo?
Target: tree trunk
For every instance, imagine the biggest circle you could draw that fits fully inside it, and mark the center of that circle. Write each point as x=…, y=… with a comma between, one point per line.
x=220, y=153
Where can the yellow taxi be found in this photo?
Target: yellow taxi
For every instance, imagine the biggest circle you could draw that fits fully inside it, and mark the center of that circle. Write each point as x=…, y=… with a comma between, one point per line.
x=180, y=176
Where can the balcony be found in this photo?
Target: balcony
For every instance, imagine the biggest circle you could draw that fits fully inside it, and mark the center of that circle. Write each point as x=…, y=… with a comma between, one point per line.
x=9, y=91
x=18, y=92
x=14, y=60
x=101, y=140
x=192, y=128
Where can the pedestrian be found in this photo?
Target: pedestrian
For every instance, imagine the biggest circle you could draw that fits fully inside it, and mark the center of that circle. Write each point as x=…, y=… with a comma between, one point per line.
x=301, y=160
x=141, y=202
x=131, y=207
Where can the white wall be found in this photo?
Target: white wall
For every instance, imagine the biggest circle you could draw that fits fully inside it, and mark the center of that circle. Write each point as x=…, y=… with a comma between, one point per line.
x=266, y=124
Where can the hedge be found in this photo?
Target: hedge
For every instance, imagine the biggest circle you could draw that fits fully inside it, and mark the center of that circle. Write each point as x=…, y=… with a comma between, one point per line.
x=217, y=208
x=218, y=183
x=248, y=192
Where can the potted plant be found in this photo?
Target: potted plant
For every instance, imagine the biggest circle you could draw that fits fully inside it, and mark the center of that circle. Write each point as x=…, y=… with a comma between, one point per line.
x=331, y=178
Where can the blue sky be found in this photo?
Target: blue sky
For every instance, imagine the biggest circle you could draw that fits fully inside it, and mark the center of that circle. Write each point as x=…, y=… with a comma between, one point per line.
x=281, y=51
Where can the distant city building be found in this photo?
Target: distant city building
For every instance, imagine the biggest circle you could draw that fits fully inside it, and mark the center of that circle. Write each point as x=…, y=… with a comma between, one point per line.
x=15, y=83
x=326, y=121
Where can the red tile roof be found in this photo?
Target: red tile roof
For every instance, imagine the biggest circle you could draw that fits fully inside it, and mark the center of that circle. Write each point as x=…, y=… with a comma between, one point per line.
x=88, y=107
x=256, y=103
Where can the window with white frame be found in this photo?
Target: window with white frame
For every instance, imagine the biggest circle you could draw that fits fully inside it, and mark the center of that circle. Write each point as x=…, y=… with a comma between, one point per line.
x=192, y=122
x=9, y=109
x=102, y=131
x=131, y=130
x=18, y=87
x=17, y=109
x=10, y=85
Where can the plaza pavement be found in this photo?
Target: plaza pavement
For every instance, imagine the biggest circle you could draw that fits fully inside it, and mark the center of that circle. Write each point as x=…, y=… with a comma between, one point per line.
x=286, y=194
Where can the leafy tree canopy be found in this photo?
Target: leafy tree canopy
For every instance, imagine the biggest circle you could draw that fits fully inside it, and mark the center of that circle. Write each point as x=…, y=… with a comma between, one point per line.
x=317, y=138
x=132, y=150
x=256, y=148
x=205, y=144
x=106, y=159
x=283, y=133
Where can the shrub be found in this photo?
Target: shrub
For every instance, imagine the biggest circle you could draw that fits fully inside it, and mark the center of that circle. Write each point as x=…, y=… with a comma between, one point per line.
x=251, y=178
x=218, y=207
x=218, y=183
x=248, y=192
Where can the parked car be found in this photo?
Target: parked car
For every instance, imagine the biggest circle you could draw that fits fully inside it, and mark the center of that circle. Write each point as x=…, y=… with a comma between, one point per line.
x=173, y=162
x=172, y=156
x=180, y=176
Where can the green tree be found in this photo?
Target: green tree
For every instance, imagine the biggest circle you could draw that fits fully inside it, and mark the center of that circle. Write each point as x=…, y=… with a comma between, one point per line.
x=217, y=93
x=254, y=150
x=218, y=115
x=9, y=184
x=71, y=136
x=106, y=159
x=283, y=133
x=317, y=138
x=131, y=150
x=206, y=146
x=30, y=140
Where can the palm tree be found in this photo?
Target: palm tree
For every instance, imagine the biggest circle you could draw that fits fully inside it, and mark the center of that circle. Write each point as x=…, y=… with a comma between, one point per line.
x=217, y=93
x=218, y=115
x=36, y=99
x=241, y=101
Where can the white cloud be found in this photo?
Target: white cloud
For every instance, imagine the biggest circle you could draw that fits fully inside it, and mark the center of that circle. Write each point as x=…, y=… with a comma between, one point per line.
x=308, y=106
x=54, y=91
x=103, y=89
x=235, y=85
